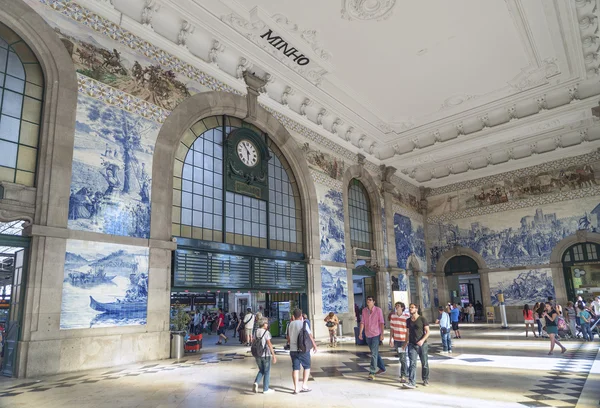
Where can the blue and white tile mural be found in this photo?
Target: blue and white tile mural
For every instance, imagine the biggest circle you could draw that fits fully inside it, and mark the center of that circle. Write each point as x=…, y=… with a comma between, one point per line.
x=522, y=287
x=112, y=166
x=400, y=282
x=410, y=239
x=334, y=287
x=104, y=285
x=425, y=292
x=434, y=289
x=331, y=225
x=518, y=237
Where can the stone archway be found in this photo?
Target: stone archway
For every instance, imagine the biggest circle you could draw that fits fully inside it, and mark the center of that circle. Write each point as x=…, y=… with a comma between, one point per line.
x=50, y=197
x=358, y=172
x=443, y=291
x=556, y=255
x=208, y=104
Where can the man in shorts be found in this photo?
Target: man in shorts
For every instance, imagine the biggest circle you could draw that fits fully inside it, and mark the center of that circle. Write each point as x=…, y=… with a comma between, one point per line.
x=248, y=326
x=299, y=358
x=454, y=318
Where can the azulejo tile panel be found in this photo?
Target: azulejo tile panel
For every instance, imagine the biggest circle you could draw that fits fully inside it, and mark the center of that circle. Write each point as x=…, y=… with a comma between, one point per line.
x=331, y=225
x=334, y=289
x=514, y=187
x=410, y=242
x=521, y=287
x=112, y=166
x=104, y=285
x=323, y=179
x=518, y=237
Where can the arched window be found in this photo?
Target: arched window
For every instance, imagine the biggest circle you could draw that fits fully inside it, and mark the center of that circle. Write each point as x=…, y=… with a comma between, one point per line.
x=21, y=94
x=361, y=231
x=203, y=209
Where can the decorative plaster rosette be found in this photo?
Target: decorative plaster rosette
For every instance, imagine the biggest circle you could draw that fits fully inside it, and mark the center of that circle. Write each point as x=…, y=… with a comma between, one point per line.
x=367, y=9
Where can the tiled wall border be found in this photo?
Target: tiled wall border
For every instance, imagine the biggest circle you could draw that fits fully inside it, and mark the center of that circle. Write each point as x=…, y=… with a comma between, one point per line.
x=514, y=205
x=323, y=179
x=408, y=213
x=527, y=171
x=120, y=99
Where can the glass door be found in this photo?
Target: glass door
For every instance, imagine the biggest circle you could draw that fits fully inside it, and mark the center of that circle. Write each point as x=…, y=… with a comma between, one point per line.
x=13, y=325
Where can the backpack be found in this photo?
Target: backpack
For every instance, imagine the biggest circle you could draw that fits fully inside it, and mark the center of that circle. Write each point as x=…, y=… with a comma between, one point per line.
x=257, y=348
x=304, y=341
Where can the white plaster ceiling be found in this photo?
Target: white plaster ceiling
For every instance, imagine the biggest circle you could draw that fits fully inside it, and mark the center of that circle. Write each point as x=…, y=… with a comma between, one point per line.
x=442, y=90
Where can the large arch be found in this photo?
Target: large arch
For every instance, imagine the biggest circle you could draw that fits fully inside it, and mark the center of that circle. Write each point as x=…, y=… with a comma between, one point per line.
x=207, y=104
x=456, y=251
x=57, y=132
x=358, y=172
x=47, y=204
x=578, y=238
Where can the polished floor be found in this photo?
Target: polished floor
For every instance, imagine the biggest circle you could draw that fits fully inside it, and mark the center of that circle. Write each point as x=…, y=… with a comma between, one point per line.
x=489, y=367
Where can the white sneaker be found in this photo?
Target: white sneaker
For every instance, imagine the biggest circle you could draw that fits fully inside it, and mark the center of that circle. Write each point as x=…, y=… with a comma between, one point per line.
x=450, y=351
x=269, y=391
x=255, y=388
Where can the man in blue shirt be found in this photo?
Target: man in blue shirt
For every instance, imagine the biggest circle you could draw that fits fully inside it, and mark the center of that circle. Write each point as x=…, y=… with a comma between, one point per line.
x=454, y=316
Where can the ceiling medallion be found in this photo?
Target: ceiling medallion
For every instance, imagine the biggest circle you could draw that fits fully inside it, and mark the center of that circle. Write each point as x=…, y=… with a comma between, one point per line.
x=367, y=9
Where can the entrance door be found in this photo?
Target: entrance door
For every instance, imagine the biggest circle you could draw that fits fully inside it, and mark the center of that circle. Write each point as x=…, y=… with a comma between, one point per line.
x=13, y=325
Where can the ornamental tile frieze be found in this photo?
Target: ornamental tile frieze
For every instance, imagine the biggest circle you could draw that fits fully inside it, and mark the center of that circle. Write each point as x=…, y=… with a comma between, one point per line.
x=120, y=99
x=324, y=180
x=524, y=172
x=513, y=205
x=398, y=209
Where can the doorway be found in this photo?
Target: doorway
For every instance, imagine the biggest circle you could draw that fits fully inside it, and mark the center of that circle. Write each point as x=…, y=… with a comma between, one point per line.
x=364, y=285
x=464, y=283
x=13, y=261
x=581, y=268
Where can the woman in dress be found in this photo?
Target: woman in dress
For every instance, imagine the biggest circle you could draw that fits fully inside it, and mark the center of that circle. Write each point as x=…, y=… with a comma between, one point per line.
x=551, y=317
x=528, y=317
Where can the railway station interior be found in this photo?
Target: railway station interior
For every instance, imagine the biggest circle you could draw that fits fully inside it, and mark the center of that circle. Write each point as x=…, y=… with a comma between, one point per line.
x=167, y=165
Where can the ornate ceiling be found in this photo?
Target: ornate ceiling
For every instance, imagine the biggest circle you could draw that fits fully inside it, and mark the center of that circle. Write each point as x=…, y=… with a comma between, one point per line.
x=443, y=91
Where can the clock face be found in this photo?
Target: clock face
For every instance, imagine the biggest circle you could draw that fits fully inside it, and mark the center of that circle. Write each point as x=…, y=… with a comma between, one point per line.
x=247, y=152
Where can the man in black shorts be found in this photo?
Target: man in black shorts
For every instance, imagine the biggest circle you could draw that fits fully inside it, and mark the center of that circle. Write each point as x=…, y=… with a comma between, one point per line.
x=454, y=317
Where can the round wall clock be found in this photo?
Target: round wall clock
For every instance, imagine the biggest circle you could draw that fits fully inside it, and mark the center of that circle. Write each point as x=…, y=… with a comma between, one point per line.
x=247, y=152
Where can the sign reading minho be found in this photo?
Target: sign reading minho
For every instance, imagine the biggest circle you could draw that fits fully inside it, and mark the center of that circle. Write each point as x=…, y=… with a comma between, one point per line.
x=289, y=51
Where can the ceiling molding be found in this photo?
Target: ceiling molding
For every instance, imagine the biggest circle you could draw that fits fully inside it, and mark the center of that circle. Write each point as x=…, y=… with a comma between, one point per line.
x=367, y=9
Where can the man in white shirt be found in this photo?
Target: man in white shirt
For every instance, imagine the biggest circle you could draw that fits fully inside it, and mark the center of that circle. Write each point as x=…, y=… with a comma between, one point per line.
x=299, y=358
x=596, y=305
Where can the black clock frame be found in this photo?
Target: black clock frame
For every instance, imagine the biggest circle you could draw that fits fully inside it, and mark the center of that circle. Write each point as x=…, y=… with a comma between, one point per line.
x=240, y=178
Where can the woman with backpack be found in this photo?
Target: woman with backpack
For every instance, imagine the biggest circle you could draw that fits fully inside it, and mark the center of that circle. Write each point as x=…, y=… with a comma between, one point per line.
x=263, y=352
x=551, y=317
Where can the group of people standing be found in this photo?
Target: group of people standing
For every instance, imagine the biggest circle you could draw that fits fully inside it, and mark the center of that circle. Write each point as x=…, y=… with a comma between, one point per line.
x=554, y=322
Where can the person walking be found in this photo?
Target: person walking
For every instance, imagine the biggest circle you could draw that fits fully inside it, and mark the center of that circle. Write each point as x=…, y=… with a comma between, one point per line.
x=264, y=361
x=471, y=312
x=551, y=317
x=528, y=317
x=299, y=358
x=418, y=332
x=445, y=327
x=398, y=340
x=332, y=322
x=373, y=324
x=454, y=318
x=221, y=327
x=585, y=318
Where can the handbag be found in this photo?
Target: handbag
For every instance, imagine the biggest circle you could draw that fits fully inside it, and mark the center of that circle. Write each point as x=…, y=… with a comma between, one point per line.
x=330, y=324
x=444, y=330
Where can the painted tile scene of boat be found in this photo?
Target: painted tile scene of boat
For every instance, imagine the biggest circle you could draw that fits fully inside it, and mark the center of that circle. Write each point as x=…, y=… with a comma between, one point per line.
x=104, y=285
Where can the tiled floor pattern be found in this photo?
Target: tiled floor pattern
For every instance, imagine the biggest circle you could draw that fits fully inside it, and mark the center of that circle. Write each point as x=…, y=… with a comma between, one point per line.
x=489, y=368
x=562, y=386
